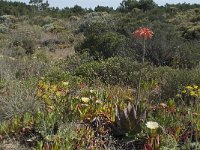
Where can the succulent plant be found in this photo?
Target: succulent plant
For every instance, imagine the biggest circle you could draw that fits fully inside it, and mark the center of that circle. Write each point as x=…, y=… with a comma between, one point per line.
x=129, y=120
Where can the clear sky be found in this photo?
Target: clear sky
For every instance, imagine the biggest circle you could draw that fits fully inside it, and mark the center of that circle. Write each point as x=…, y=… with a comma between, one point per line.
x=110, y=3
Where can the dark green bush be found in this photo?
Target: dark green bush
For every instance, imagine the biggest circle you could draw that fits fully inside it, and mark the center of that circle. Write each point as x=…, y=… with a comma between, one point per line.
x=57, y=75
x=104, y=45
x=116, y=70
x=71, y=63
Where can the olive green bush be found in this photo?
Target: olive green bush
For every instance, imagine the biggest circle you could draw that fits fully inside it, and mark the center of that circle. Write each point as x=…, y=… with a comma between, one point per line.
x=104, y=45
x=116, y=70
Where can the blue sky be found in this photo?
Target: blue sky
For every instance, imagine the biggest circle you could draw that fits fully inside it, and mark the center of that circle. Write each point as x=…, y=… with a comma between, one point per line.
x=110, y=3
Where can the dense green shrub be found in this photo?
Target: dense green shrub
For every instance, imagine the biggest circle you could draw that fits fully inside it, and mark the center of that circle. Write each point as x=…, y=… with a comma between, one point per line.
x=116, y=70
x=71, y=63
x=104, y=45
x=57, y=75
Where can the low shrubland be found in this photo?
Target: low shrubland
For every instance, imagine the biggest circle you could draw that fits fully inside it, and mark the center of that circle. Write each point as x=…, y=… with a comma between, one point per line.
x=75, y=79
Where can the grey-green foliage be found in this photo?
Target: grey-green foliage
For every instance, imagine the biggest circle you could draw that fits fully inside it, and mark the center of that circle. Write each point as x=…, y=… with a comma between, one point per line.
x=96, y=18
x=41, y=20
x=53, y=27
x=17, y=98
x=12, y=68
x=26, y=37
x=3, y=28
x=169, y=143
x=51, y=124
x=191, y=146
x=7, y=20
x=68, y=132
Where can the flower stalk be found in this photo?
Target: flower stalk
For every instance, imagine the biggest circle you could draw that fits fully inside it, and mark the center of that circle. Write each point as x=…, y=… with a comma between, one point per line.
x=142, y=33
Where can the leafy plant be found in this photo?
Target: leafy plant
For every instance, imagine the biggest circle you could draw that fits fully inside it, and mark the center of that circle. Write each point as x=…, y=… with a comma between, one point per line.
x=129, y=120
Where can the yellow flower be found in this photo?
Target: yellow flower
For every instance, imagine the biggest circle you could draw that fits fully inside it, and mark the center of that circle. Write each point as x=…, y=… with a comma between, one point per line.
x=198, y=92
x=195, y=86
x=189, y=87
x=40, y=84
x=184, y=91
x=45, y=86
x=178, y=95
x=39, y=93
x=54, y=87
x=192, y=93
x=85, y=99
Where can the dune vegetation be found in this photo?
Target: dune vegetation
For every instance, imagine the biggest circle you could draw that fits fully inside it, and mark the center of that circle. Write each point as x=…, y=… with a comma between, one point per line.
x=102, y=78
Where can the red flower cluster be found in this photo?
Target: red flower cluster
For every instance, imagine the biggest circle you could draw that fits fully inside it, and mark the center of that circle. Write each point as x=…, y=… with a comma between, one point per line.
x=143, y=33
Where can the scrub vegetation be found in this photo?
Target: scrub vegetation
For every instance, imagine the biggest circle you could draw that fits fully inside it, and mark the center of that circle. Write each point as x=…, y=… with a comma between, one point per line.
x=102, y=78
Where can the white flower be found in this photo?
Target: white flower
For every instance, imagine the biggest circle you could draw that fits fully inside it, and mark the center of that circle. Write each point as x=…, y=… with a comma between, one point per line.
x=98, y=102
x=92, y=91
x=152, y=125
x=85, y=99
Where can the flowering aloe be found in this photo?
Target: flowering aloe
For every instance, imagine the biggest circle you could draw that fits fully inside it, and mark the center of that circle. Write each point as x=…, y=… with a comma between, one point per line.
x=144, y=33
